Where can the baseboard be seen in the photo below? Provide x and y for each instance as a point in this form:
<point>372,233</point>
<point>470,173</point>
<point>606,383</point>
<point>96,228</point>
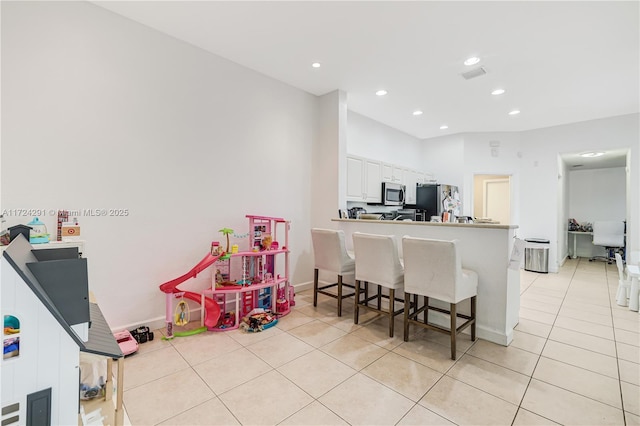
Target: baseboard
<point>483,333</point>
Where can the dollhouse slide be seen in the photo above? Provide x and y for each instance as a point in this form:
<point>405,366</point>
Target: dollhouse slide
<point>211,308</point>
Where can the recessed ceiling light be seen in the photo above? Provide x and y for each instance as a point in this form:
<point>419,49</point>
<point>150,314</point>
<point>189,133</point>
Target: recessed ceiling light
<point>514,112</point>
<point>592,154</point>
<point>316,64</point>
<point>417,112</point>
<point>444,127</point>
<point>471,61</point>
<point>381,92</point>
<point>498,92</point>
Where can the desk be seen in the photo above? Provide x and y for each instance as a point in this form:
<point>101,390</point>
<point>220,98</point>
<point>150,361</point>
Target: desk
<point>575,237</point>
<point>634,273</point>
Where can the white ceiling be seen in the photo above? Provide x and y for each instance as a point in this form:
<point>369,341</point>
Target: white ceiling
<point>560,62</point>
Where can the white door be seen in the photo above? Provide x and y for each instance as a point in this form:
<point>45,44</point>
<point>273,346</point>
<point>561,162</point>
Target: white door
<point>497,200</point>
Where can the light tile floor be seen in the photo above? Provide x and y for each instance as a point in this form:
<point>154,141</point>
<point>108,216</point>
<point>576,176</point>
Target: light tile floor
<point>575,359</point>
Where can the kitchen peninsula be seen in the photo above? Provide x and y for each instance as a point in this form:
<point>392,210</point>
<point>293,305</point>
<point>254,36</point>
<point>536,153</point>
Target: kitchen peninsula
<point>485,248</point>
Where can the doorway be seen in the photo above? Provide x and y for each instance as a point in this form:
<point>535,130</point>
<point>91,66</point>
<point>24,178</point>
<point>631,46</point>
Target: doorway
<point>492,198</point>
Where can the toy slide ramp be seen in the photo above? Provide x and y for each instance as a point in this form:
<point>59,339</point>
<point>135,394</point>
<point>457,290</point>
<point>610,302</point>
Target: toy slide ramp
<point>211,308</point>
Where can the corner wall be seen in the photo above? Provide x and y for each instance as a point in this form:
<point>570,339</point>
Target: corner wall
<point>100,112</point>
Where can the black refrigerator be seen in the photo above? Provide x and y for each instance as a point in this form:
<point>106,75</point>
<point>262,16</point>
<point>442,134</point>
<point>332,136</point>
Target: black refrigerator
<point>434,199</point>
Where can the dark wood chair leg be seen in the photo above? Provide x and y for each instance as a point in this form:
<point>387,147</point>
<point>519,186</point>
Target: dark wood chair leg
<point>407,304</point>
<point>392,294</point>
<point>339,295</point>
<point>357,304</point>
<point>426,310</point>
<point>453,331</point>
<point>473,315</point>
<point>315,287</point>
<point>379,297</point>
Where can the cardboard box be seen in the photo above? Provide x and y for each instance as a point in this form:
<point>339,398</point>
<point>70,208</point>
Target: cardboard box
<point>70,232</point>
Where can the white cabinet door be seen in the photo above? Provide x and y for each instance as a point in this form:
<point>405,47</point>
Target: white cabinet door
<point>392,173</point>
<point>411,178</point>
<point>373,181</point>
<point>355,178</point>
<point>387,172</point>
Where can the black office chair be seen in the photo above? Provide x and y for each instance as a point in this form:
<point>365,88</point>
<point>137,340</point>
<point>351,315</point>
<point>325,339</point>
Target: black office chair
<point>610,235</point>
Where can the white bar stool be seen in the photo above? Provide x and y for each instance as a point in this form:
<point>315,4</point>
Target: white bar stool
<point>378,262</point>
<point>330,254</point>
<point>433,269</point>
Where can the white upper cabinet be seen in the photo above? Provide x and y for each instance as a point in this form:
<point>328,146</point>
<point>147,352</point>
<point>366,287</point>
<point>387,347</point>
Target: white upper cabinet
<point>364,180</point>
<point>410,179</point>
<point>392,173</point>
<point>365,177</point>
<point>373,193</point>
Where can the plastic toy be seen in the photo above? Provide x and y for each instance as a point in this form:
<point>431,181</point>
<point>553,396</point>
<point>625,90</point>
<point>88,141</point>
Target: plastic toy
<point>127,343</point>
<point>255,288</point>
<point>226,232</point>
<point>182,314</point>
<point>142,334</point>
<point>38,234</point>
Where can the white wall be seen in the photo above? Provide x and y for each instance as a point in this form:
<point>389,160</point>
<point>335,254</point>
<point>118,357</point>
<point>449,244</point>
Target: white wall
<point>538,186</point>
<point>481,158</point>
<point>372,139</point>
<point>563,210</point>
<point>102,112</point>
<point>596,194</point>
<point>444,157</point>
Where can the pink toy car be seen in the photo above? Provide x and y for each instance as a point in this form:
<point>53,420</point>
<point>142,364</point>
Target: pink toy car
<point>127,343</point>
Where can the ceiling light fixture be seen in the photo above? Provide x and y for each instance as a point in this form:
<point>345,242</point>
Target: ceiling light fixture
<point>498,92</point>
<point>514,112</point>
<point>471,61</point>
<point>417,112</point>
<point>444,127</point>
<point>316,64</point>
<point>592,154</point>
<point>381,92</point>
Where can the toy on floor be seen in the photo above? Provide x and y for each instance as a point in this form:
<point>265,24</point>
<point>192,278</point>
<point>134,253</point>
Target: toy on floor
<point>142,334</point>
<point>127,343</point>
<point>257,320</point>
<point>256,287</point>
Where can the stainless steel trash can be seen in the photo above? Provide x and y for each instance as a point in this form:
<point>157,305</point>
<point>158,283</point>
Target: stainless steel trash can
<point>536,255</point>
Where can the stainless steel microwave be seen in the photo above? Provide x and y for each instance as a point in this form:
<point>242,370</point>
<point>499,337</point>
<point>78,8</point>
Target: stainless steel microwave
<point>393,194</point>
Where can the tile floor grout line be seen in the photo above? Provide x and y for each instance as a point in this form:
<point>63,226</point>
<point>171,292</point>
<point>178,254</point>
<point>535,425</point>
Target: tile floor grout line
<point>542,350</point>
<point>624,416</point>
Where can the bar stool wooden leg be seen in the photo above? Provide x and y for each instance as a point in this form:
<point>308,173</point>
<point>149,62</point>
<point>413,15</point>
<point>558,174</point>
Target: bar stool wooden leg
<point>357,304</point>
<point>426,310</point>
<point>453,331</point>
<point>339,295</point>
<point>473,316</point>
<point>315,287</point>
<point>392,303</point>
<point>407,304</point>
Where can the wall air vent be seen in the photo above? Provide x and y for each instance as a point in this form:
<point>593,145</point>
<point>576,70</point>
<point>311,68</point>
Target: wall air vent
<point>477,72</point>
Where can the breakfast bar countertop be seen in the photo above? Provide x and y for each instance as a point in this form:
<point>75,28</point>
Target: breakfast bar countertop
<point>416,223</point>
